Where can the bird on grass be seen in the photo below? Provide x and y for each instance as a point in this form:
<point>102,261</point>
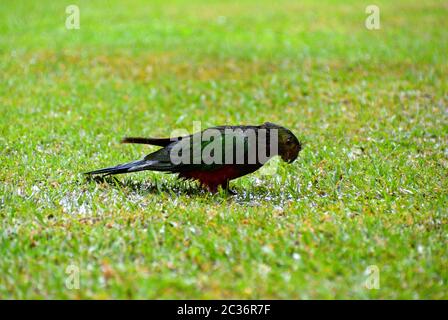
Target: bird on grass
<point>214,156</point>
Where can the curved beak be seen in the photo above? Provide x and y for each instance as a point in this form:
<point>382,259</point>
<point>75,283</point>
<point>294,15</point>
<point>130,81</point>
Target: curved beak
<point>288,158</point>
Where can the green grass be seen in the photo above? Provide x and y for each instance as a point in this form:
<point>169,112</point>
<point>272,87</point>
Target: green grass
<point>369,188</point>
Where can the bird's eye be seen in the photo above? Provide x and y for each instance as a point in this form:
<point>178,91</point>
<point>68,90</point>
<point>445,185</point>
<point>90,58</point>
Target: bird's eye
<point>289,140</point>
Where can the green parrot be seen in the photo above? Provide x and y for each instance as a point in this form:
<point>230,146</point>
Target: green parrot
<point>216,155</point>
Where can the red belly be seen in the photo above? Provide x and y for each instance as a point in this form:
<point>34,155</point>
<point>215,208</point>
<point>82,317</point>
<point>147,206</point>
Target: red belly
<point>213,179</point>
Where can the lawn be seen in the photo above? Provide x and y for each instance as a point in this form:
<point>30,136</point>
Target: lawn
<point>368,192</point>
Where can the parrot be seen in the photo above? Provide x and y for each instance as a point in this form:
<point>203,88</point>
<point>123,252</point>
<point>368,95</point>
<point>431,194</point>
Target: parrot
<point>215,155</point>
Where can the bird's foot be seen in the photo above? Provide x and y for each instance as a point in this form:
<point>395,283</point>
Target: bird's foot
<point>230,192</point>
<point>223,188</point>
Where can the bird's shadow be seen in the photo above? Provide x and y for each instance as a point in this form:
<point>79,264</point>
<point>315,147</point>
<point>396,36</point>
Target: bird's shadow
<point>189,189</point>
<point>180,188</point>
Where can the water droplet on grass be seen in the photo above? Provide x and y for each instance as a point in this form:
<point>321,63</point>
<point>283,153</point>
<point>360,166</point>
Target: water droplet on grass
<point>296,256</point>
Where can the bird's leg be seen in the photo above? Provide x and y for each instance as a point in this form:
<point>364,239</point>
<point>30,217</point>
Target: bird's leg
<point>212,188</point>
<point>226,187</point>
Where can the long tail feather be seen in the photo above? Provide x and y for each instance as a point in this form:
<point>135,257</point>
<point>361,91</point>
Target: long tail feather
<point>122,168</point>
<point>135,166</point>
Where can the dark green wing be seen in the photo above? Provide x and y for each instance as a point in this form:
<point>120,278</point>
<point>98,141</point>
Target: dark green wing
<point>216,148</point>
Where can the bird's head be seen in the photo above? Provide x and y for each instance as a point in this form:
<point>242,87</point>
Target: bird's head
<point>288,144</point>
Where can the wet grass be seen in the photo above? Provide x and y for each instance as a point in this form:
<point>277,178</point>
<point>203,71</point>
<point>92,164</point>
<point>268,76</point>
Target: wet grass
<point>368,189</point>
